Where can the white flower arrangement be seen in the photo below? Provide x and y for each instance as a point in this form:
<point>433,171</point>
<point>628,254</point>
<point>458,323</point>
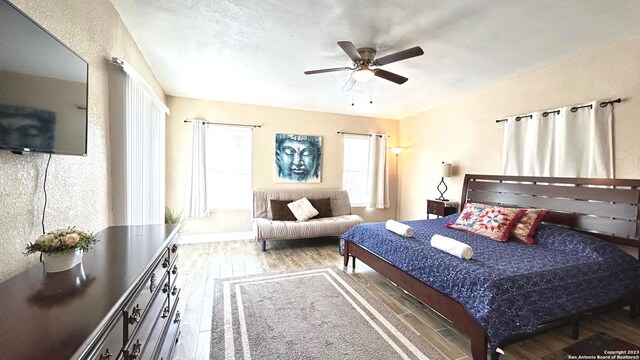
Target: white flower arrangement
<point>62,241</point>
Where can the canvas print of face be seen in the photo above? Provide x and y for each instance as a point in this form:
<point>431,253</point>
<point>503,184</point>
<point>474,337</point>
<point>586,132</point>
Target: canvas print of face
<point>298,158</point>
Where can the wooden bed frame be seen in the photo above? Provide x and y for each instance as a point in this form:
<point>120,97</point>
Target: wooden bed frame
<point>607,208</point>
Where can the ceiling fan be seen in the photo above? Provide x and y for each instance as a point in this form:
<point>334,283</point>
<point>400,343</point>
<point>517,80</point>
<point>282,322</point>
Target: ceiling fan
<point>366,66</point>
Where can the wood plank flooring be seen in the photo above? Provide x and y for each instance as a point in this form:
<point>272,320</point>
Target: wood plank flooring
<point>201,264</point>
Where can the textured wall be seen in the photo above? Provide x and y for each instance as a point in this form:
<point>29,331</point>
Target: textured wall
<point>274,120</point>
<point>462,131</point>
<point>78,187</point>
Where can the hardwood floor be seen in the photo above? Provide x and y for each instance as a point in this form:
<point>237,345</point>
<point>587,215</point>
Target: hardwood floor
<point>201,264</point>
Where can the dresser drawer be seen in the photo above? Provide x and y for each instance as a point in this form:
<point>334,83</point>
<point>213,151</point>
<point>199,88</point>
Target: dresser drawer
<point>138,340</point>
<point>171,337</point>
<point>435,207</point>
<point>441,208</point>
<point>154,346</point>
<point>174,286</point>
<point>111,347</point>
<point>174,269</point>
<point>153,286</point>
<point>173,249</point>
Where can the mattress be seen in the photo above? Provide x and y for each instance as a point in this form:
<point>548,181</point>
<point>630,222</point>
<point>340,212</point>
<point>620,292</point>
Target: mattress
<point>510,288</point>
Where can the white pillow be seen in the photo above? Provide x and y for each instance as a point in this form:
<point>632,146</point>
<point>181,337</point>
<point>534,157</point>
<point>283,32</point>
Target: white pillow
<point>302,209</point>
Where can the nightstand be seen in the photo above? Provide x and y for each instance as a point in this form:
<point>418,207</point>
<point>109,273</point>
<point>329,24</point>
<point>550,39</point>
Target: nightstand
<point>441,208</point>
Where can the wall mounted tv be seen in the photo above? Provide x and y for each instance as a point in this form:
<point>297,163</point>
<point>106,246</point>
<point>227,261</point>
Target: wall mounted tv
<point>43,89</point>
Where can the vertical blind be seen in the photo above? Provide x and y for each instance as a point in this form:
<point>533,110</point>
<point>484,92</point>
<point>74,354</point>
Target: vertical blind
<point>137,149</point>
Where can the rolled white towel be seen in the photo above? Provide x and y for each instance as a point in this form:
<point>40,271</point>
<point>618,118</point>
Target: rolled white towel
<point>399,228</point>
<point>452,246</point>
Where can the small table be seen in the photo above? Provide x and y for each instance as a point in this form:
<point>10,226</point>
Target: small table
<point>441,208</point>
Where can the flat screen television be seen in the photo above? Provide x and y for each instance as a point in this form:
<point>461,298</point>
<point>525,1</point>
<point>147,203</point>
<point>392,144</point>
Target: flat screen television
<point>43,89</point>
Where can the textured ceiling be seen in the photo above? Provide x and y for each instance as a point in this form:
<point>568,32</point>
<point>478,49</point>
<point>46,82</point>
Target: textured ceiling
<point>255,51</point>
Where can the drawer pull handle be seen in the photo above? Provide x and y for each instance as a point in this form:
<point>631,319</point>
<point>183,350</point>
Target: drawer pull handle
<point>174,292</point>
<point>106,356</point>
<point>174,248</point>
<point>165,288</point>
<point>165,263</point>
<point>134,318</point>
<point>152,284</point>
<point>135,350</point>
<point>165,312</point>
<point>176,320</point>
<point>175,269</point>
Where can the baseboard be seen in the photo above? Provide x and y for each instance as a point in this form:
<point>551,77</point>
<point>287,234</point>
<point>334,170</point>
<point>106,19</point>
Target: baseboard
<point>216,237</point>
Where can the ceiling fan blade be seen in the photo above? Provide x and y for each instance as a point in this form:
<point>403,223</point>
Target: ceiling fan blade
<point>348,85</point>
<point>390,76</point>
<point>400,55</point>
<point>351,50</point>
<point>311,72</point>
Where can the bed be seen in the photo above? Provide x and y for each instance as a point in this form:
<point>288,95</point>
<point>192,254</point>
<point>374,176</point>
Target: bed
<point>510,291</point>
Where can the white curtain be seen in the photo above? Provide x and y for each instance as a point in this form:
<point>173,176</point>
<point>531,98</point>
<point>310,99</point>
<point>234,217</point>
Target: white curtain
<point>137,148</point>
<point>564,144</point>
<point>195,198</point>
<point>378,177</point>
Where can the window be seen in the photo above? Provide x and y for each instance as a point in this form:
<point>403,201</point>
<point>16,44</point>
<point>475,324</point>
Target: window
<point>228,167</point>
<point>356,168</point>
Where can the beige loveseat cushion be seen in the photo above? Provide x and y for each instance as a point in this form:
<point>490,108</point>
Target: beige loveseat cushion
<point>266,229</point>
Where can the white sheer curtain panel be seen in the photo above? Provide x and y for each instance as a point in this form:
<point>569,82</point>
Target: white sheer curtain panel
<point>528,146</point>
<point>378,177</point>
<point>588,142</point>
<point>565,143</point>
<point>137,148</point>
<point>195,198</point>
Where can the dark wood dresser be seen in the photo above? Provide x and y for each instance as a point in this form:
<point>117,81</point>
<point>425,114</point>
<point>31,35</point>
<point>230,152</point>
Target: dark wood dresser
<point>120,304</point>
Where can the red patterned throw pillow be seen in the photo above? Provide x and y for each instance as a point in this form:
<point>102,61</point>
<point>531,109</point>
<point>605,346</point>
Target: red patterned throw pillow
<point>525,229</point>
<point>493,222</point>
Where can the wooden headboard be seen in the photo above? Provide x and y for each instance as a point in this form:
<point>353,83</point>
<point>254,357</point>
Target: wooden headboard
<point>606,207</point>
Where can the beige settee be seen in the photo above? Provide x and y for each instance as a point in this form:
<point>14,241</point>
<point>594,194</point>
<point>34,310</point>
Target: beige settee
<point>264,228</point>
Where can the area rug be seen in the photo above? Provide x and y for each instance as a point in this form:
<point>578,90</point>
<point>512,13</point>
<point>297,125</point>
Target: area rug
<point>598,346</point>
<point>312,314</point>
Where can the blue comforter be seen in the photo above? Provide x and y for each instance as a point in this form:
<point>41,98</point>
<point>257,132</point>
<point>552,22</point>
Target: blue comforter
<point>511,287</point>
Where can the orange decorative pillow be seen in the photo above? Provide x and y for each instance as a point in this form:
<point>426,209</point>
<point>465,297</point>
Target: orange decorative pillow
<point>493,222</point>
<point>525,229</point>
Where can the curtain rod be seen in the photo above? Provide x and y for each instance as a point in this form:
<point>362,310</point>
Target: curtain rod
<point>127,68</point>
<point>214,123</point>
<point>603,104</point>
<point>350,133</point>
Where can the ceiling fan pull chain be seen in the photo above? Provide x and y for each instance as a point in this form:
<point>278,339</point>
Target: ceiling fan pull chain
<point>352,98</point>
<point>371,94</point>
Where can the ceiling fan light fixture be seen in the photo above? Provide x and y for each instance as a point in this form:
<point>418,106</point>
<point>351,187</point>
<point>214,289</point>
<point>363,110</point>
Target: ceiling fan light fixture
<point>362,74</point>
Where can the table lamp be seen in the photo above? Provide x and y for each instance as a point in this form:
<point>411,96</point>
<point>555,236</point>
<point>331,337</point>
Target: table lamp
<point>445,170</point>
